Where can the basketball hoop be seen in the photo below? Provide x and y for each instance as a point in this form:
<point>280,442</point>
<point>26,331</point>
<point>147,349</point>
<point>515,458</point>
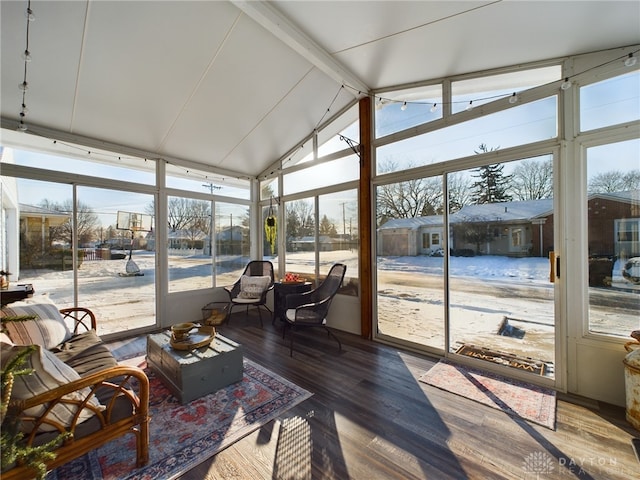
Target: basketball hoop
<point>133,222</point>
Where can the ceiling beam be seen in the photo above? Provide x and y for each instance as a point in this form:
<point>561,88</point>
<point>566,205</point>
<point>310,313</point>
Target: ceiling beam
<point>271,19</point>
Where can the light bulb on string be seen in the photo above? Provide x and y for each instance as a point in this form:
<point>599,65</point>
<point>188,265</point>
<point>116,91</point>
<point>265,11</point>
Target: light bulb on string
<point>22,127</point>
<point>513,98</point>
<point>434,108</point>
<point>630,61</point>
<point>24,86</point>
<point>404,106</point>
<point>470,106</point>
<point>26,56</point>
<point>29,14</point>
<point>566,85</point>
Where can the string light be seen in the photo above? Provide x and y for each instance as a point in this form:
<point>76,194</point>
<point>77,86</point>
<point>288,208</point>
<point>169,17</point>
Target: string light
<point>404,106</point>
<point>26,56</point>
<point>630,61</point>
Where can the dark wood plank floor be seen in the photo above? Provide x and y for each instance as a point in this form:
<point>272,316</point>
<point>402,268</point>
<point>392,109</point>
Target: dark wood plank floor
<point>369,418</point>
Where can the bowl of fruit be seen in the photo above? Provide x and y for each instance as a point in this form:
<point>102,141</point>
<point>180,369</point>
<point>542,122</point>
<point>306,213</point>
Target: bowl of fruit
<point>292,278</point>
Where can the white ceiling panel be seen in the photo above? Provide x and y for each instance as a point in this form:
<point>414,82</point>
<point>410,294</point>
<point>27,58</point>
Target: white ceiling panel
<point>236,84</point>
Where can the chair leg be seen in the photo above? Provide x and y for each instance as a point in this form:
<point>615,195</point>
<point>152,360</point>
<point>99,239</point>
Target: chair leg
<point>331,334</point>
<point>259,315</point>
<point>230,311</point>
<point>291,343</point>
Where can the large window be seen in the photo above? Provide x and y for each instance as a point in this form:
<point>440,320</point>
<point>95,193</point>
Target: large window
<point>486,89</point>
<point>402,109</point>
<point>613,218</point>
<point>114,265</point>
<point>189,243</point>
<point>338,237</point>
<point>519,125</point>
<point>610,102</point>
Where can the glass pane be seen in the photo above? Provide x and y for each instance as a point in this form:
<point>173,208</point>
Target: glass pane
<point>206,182</point>
<point>338,236</point>
<point>300,233</point>
<point>45,251</point>
<point>189,244</point>
<point>610,102</point>
<point>117,278</point>
<point>95,164</point>
<point>501,303</point>
<point>269,188</point>
<point>410,267</point>
<point>486,89</point>
<point>330,173</point>
<point>348,125</point>
<point>231,244</point>
<point>423,105</point>
<point>520,125</point>
<point>301,155</point>
<point>613,206</point>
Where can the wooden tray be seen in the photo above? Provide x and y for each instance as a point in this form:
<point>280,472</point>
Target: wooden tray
<point>198,339</point>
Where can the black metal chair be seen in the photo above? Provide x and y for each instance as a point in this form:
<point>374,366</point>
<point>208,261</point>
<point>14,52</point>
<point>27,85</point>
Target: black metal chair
<point>310,309</point>
<point>251,289</point>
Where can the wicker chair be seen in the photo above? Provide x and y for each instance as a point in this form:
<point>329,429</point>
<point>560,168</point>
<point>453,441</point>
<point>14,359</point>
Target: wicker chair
<point>310,309</point>
<point>238,295</point>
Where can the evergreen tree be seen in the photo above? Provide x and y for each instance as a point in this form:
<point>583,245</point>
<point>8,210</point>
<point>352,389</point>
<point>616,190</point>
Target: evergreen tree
<point>492,184</point>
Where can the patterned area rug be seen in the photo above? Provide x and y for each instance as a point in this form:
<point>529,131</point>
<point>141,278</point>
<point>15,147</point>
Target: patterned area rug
<point>530,402</point>
<point>182,436</point>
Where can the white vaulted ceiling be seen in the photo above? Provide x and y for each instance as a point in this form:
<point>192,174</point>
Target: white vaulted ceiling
<point>235,85</point>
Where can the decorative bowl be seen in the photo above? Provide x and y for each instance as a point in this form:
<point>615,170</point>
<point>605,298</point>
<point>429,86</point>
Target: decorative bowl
<point>181,330</point>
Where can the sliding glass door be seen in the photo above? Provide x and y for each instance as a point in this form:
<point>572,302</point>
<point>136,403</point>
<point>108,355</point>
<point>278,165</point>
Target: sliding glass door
<point>501,299</point>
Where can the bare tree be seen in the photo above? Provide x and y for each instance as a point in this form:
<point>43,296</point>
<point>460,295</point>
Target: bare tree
<point>532,179</point>
<point>460,192</point>
<point>410,198</point>
<point>614,181</point>
<point>86,222</point>
<point>189,214</point>
<point>300,218</point>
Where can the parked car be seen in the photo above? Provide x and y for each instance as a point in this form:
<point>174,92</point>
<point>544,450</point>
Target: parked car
<point>631,270</point>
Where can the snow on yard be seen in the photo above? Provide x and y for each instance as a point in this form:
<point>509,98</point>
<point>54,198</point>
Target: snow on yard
<point>410,292</point>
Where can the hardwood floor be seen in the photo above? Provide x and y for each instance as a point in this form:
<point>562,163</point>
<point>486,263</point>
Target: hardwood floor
<point>370,418</point>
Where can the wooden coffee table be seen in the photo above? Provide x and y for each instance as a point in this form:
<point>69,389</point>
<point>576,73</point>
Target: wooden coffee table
<point>190,374</point>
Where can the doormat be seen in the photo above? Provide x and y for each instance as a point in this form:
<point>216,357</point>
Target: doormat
<point>518,399</point>
<point>525,364</point>
<point>182,436</point>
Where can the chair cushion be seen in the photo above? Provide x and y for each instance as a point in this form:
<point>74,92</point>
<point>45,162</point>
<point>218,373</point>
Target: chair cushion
<point>86,353</point>
<point>48,373</point>
<point>47,328</point>
<point>291,316</point>
<point>253,286</point>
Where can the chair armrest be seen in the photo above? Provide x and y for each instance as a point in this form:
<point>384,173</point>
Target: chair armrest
<point>80,316</point>
<point>121,380</point>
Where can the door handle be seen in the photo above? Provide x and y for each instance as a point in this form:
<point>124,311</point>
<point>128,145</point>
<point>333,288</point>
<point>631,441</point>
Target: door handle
<point>554,266</point>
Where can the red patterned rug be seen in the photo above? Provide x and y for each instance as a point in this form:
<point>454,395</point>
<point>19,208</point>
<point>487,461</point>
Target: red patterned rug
<point>519,399</point>
<point>182,436</point>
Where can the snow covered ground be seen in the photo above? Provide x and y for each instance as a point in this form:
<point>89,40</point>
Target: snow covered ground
<point>411,301</point>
